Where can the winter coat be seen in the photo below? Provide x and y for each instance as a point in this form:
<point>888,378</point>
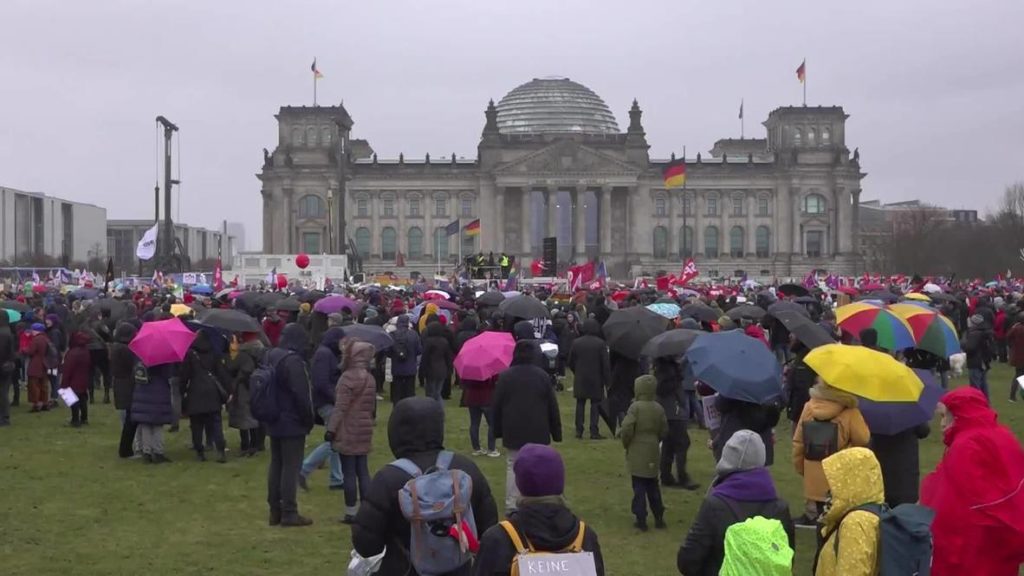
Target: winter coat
<point>737,415</point>
<point>122,366</point>
<point>898,455</point>
<point>590,363</point>
<point>355,398</point>
<point>241,368</point>
<point>1015,340</point>
<point>293,386</point>
<point>413,348</point>
<point>670,393</point>
<point>37,356</point>
<point>525,409</point>
<point>547,524</point>
<point>151,401</point>
<point>204,380</point>
<point>567,333</point>
<point>416,432</point>
<point>643,428</point>
<point>624,371</point>
<point>325,369</point>
<point>975,492</point>
<point>827,404</point>
<point>478,394</point>
<point>799,381</point>
<point>273,327</point>
<point>437,353</point>
<point>467,330</point>
<point>978,345</point>
<point>8,347</point>
<point>757,333</point>
<point>430,309</point>
<point>733,499</point>
<point>855,479</point>
<point>77,365</point>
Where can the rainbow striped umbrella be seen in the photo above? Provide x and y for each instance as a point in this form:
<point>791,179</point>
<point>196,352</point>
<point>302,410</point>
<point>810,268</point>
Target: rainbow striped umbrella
<point>932,331</point>
<point>893,332</point>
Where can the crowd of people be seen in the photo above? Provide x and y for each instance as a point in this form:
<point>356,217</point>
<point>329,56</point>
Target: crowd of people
<point>297,368</point>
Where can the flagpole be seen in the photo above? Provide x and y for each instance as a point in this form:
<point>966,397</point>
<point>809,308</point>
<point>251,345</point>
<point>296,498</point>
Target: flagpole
<point>805,81</point>
<point>314,89</point>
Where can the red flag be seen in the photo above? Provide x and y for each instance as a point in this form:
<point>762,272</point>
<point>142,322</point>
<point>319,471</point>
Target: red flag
<point>580,275</point>
<point>689,271</point>
<point>218,276</point>
<point>661,283</point>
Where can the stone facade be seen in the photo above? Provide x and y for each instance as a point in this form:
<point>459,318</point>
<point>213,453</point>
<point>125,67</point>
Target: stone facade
<point>778,206</point>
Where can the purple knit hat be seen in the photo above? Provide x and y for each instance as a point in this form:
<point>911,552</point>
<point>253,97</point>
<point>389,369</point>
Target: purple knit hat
<point>539,471</point>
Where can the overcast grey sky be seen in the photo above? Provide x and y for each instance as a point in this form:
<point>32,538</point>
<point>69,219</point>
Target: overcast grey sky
<point>935,90</point>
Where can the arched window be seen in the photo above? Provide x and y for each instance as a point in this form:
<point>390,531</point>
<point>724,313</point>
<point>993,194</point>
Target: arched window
<point>311,136</point>
<point>737,204</point>
<point>711,242</point>
<point>325,134</point>
<point>736,242</point>
<point>762,241</point>
<point>413,202</point>
<point>468,244</point>
<point>660,208</point>
<point>685,242</point>
<point>297,136</point>
<point>814,204</point>
<point>811,134</point>
<point>363,242</point>
<point>466,206</point>
<point>311,206</point>
<point>363,207</point>
<point>440,246</point>
<point>388,243</point>
<point>826,135</point>
<point>660,242</point>
<point>388,207</point>
<point>798,137</point>
<point>415,250</point>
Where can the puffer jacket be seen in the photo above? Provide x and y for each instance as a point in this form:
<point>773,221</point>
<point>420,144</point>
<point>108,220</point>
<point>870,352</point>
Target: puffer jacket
<point>643,428</point>
<point>352,418</point>
<point>437,353</point>
<point>122,364</point>
<point>151,400</point>
<point>525,408</point>
<point>325,369</point>
<point>413,348</point>
<point>828,404</point>
<point>855,479</point>
<point>294,388</point>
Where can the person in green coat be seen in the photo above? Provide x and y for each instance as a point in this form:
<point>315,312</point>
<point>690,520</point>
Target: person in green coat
<point>643,428</point>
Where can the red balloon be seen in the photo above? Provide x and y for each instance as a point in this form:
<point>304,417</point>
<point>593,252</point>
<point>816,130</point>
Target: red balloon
<point>302,261</point>
<point>282,281</point>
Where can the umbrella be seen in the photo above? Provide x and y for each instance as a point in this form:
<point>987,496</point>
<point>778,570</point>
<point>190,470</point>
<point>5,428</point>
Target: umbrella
<point>700,312</point>
<point>290,304</point>
<point>369,333</point>
<point>736,366</point>
<point>224,293</point>
<point>485,355</point>
<point>626,331</point>
<point>671,343</point>
<point>932,331</point>
<point>917,296</point>
<point>746,311</point>
<point>806,300</point>
<point>526,307</point>
<point>931,288</point>
<point>430,294</point>
<point>201,289</point>
<point>86,293</point>
<point>334,303</point>
<point>230,320</point>
<point>881,295</point>
<point>669,311</point>
<point>162,342</point>
<point>15,305</point>
<point>865,372</point>
<point>774,309</point>
<point>792,290</point>
<point>181,309</point>
<point>893,332</point>
<point>943,297</point>
<point>895,417</point>
<point>800,326</point>
<point>666,300</point>
<point>848,291</point>
<point>12,315</point>
<point>490,299</point>
<point>417,311</point>
<point>446,305</point>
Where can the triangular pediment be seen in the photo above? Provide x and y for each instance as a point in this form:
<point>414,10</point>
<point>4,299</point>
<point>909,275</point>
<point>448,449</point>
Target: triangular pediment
<point>567,157</point>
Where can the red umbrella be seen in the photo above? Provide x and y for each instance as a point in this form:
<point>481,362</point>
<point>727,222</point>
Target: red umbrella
<point>485,355</point>
<point>163,342</point>
<point>848,291</point>
<point>446,305</point>
<point>620,295</point>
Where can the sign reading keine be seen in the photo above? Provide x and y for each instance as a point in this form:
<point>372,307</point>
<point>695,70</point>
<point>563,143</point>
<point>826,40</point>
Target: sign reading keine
<point>569,564</point>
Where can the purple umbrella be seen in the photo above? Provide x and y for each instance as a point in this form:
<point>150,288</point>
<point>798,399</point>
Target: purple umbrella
<point>894,417</point>
<point>332,303</point>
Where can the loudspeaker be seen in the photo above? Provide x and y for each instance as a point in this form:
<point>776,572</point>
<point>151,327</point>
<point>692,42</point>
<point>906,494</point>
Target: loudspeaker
<point>550,256</point>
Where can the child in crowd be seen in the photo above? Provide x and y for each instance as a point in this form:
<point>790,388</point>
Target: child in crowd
<point>643,428</point>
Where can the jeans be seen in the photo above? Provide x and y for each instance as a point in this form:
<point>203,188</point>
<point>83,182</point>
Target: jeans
<point>283,475</point>
<point>434,386</point>
<point>356,470</point>
<point>978,378</point>
<point>323,452</point>
<point>511,490</point>
<point>80,410</point>
<point>476,413</point>
<point>673,450</point>
<point>152,436</point>
<point>581,407</point>
<point>402,387</point>
<point>1014,387</point>
<point>647,491</point>
<point>782,353</point>
<point>210,423</point>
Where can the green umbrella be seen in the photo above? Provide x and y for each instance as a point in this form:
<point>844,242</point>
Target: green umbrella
<point>12,315</point>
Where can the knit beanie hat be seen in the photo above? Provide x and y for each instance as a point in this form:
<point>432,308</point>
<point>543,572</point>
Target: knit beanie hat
<point>743,451</point>
<point>539,471</point>
<point>975,321</point>
<point>37,327</point>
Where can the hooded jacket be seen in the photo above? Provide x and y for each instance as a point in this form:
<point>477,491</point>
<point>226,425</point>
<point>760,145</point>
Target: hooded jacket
<point>976,492</point>
<point>294,388</point>
<point>355,398</point>
<point>590,363</point>
<point>643,428</point>
<point>241,368</point>
<point>204,381</point>
<point>122,364</point>
<point>8,346</point>
<point>151,400</point>
<point>669,374</point>
<point>467,330</point>
<point>416,432</point>
<point>77,365</point>
<point>437,353</point>
<point>525,409</point>
<point>855,479</point>
<point>325,369</point>
<point>827,404</point>
<point>413,348</point>
<point>430,309</point>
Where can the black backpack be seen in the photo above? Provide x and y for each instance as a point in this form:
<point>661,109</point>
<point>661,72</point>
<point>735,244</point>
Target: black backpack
<point>400,349</point>
<point>821,439</point>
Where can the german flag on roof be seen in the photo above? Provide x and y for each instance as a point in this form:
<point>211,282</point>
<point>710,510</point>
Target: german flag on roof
<point>674,174</point>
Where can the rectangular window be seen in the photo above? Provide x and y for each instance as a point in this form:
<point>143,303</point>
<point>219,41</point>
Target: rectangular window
<point>466,207</point>
<point>737,206</point>
<point>414,207</point>
<point>712,206</point>
<point>389,208</point>
<point>762,206</point>
<point>659,207</point>
<point>440,206</point>
<point>687,206</point>
<point>363,208</point>
<point>311,242</point>
<point>815,241</point>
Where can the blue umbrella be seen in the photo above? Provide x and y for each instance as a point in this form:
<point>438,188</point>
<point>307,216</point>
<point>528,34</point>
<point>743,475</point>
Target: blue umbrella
<point>369,333</point>
<point>414,314</point>
<point>736,366</point>
<point>894,417</point>
<point>201,289</point>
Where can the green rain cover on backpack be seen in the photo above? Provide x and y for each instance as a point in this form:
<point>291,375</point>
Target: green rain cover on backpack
<point>759,546</point>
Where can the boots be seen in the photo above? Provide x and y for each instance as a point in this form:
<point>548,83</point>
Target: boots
<point>200,455</point>
<point>641,524</point>
<point>222,457</point>
<point>275,517</point>
<point>106,396</point>
<point>659,522</point>
<point>17,395</point>
<point>295,521</point>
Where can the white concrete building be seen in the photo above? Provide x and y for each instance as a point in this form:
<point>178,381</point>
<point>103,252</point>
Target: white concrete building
<point>34,225</point>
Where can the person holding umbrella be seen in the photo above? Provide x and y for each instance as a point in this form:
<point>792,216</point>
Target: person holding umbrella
<point>669,374</point>
<point>591,367</point>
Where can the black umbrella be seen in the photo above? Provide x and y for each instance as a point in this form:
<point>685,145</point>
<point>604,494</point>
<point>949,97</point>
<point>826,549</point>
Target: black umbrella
<point>225,293</point>
<point>887,297</point>
<point>492,298</point>
<point>375,335</point>
<point>700,312</point>
<point>230,320</point>
<point>806,300</point>
<point>525,306</point>
<point>626,331</point>
<point>782,306</point>
<point>937,297</point>
<point>290,304</point>
<point>801,327</point>
<point>118,308</point>
<point>671,343</point>
<point>15,305</point>
<point>746,311</point>
<point>792,290</point>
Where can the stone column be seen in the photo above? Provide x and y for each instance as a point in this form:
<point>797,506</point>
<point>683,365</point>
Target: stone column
<point>375,247</point>
<point>499,221</point>
<point>750,237</point>
<point>673,228</point>
<point>289,220</point>
<point>698,222</point>
<point>781,233</point>
<point>794,208</point>
<point>429,240</point>
<point>551,215</point>
<point>485,210</point>
<point>855,222</point>
<point>579,224</point>
<point>604,233</point>
<point>524,223</point>
<point>402,231</point>
<point>268,220</point>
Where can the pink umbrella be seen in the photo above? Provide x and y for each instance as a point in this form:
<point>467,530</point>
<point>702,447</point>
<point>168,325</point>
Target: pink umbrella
<point>163,342</point>
<point>485,355</point>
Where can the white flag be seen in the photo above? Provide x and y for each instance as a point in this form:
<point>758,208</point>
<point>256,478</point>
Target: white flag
<point>147,246</point>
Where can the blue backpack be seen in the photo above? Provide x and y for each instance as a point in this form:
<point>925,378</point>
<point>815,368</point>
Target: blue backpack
<point>263,401</point>
<point>904,538</point>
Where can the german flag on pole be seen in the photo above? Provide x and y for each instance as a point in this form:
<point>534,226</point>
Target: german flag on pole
<point>473,228</point>
<point>674,174</point>
<point>316,71</point>
<point>801,72</point>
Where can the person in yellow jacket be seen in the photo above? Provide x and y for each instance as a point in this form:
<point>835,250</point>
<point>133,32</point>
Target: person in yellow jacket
<point>827,404</point>
<point>854,479</point>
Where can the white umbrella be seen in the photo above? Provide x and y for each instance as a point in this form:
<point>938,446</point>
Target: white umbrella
<point>440,293</point>
<point>931,288</point>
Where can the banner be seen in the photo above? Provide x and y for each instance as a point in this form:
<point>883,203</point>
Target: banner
<point>147,246</point>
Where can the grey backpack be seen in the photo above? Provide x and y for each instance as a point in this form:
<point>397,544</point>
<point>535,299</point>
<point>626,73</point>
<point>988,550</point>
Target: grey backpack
<point>438,506</point>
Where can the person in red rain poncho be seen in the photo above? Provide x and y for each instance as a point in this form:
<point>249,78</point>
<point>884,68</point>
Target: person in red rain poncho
<point>977,491</point>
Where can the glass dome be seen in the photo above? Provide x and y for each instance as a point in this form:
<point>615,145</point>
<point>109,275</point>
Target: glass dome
<point>554,105</point>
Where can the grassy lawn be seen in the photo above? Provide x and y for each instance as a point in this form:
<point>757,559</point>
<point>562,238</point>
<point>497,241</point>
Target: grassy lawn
<point>67,503</point>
